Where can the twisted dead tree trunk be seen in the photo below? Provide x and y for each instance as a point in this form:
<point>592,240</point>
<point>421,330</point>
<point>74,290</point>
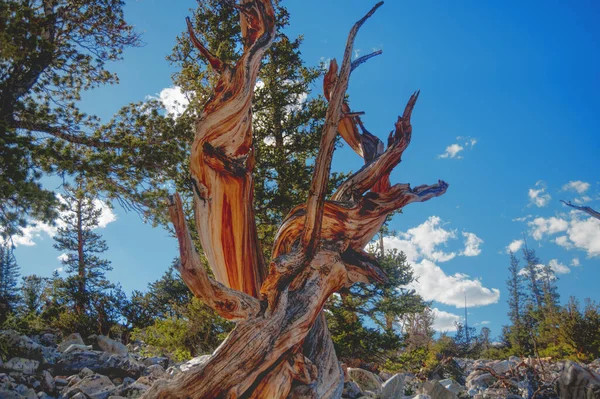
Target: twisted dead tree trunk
<point>593,213</point>
<point>281,346</point>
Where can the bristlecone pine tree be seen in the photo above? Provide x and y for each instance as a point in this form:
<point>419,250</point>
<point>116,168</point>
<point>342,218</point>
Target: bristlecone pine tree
<point>281,346</point>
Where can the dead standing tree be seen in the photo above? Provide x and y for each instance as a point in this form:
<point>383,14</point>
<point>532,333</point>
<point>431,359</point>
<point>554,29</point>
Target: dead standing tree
<point>281,346</point>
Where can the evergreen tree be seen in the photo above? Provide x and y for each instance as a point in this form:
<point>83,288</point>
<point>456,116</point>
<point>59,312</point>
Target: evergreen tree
<point>518,337</point>
<point>532,272</point>
<point>52,50</point>
<point>33,288</point>
<point>9,274</point>
<point>82,245</point>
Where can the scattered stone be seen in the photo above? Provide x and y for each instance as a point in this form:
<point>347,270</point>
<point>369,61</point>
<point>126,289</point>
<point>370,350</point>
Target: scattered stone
<point>163,361</point>
<point>436,390</point>
<point>95,386</point>
<point>74,338</point>
<point>351,390</point>
<point>393,388</point>
<point>111,346</point>
<point>134,390</point>
<point>452,386</point>
<point>47,383</point>
<point>366,380</point>
<point>576,382</point>
<point>21,365</point>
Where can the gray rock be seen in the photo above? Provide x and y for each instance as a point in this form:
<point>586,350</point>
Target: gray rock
<point>199,360</point>
<point>21,365</point>
<point>111,346</point>
<point>155,371</point>
<point>576,382</point>
<point>452,386</point>
<point>480,381</point>
<point>163,361</point>
<point>6,394</point>
<point>23,346</point>
<point>134,390</point>
<point>366,380</point>
<point>75,361</point>
<point>74,338</point>
<point>95,386</point>
<point>47,382</point>
<point>351,390</point>
<point>44,395</point>
<point>436,390</point>
<point>85,372</point>
<point>49,339</point>
<point>498,393</point>
<point>393,388</point>
<point>77,347</point>
<point>502,367</point>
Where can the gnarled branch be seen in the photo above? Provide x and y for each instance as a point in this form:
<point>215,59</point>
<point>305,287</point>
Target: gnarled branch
<point>586,209</point>
<point>229,303</point>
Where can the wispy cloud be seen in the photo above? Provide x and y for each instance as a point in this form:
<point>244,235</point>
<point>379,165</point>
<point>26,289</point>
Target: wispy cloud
<point>578,186</point>
<point>454,150</point>
<point>538,195</point>
<point>514,246</point>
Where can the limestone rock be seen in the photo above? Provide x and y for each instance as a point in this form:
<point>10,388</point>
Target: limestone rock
<point>393,388</point>
<point>21,365</point>
<point>111,346</point>
<point>74,338</point>
<point>436,390</point>
<point>366,380</point>
<point>351,390</point>
<point>95,386</point>
<point>575,382</point>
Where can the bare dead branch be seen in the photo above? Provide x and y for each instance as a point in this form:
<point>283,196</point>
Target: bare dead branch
<point>213,60</point>
<point>585,209</point>
<point>227,302</point>
<point>357,62</point>
<point>316,197</point>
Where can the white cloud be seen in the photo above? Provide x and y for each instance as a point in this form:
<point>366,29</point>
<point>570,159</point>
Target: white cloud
<point>434,284</point>
<point>472,243</point>
<point>174,100</point>
<point>576,185</point>
<point>538,195</point>
<point>107,216</point>
<point>59,269</point>
<point>582,200</point>
<point>575,262</point>
<point>581,232</point>
<point>62,257</point>
<point>547,226</point>
<point>444,321</point>
<point>514,246</point>
<point>522,219</point>
<point>558,267</point>
<point>485,322</point>
<point>38,230</point>
<point>420,244</point>
<point>422,241</point>
<point>452,151</point>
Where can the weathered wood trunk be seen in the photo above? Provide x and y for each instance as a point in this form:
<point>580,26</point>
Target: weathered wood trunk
<point>281,346</point>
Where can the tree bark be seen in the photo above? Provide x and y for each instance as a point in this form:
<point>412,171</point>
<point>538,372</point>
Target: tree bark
<point>281,346</point>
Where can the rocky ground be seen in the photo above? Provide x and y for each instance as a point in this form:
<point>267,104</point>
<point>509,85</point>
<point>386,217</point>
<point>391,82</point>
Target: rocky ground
<point>101,368</point>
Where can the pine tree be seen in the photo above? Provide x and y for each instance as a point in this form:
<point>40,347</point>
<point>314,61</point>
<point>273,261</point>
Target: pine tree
<point>9,274</point>
<point>86,270</point>
<point>532,271</point>
<point>51,52</point>
<point>33,288</point>
<point>517,336</point>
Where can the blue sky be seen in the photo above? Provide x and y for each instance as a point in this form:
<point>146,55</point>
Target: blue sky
<point>508,116</point>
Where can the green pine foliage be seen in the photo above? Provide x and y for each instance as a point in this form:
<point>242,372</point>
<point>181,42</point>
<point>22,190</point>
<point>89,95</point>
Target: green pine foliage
<point>52,51</point>
<point>9,275</point>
